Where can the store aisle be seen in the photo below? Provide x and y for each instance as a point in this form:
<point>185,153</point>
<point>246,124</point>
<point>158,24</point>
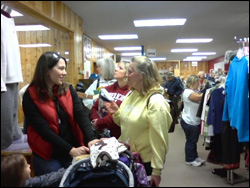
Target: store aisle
<point>177,174</point>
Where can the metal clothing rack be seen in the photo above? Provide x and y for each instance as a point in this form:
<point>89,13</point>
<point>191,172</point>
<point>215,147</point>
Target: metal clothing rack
<point>233,178</point>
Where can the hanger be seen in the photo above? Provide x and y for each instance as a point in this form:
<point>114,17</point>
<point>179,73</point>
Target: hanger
<point>5,10</point>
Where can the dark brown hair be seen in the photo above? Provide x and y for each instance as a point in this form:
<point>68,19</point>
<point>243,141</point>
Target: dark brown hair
<point>40,79</point>
<point>12,169</point>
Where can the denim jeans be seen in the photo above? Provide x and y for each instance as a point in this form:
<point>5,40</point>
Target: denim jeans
<point>41,166</point>
<point>192,133</point>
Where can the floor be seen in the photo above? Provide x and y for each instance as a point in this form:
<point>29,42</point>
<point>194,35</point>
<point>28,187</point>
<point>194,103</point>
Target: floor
<point>177,174</point>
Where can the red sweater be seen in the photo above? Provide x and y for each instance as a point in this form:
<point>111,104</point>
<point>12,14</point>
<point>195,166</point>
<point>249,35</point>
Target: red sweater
<point>119,95</point>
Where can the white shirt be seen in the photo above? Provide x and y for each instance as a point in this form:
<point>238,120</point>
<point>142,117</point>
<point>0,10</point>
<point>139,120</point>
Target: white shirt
<point>190,109</point>
<point>90,91</point>
<point>11,71</point>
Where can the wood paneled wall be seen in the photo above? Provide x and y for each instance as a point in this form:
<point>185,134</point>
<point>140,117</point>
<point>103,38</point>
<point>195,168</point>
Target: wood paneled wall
<point>183,69</point>
<point>187,69</point>
<point>65,34</point>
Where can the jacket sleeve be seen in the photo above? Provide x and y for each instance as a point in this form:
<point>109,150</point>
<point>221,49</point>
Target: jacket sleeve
<point>159,123</point>
<point>51,179</point>
<point>81,116</point>
<point>94,111</point>
<point>180,88</point>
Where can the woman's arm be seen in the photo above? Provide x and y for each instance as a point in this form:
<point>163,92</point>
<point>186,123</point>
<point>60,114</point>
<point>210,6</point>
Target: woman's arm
<point>81,116</point>
<point>195,97</point>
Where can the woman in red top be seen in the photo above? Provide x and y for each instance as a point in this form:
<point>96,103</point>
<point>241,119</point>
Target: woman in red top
<point>118,91</point>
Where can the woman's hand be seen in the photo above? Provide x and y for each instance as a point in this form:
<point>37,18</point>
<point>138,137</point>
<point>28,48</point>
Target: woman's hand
<point>93,122</point>
<point>79,151</point>
<point>93,142</point>
<point>155,181</point>
<point>111,107</point>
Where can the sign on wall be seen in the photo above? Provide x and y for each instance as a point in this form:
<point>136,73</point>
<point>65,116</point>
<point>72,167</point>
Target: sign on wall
<point>151,52</point>
<point>87,48</point>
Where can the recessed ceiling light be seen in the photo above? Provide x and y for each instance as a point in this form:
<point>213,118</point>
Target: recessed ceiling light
<point>204,53</point>
<point>159,22</point>
<point>131,54</point>
<point>194,40</point>
<point>118,37</point>
<point>127,48</point>
<point>34,45</point>
<point>30,27</point>
<point>184,50</point>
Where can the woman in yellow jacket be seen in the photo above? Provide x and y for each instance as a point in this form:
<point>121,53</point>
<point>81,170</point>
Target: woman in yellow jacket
<point>144,119</point>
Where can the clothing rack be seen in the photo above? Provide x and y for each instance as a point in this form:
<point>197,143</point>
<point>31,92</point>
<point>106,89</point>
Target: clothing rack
<point>6,8</point>
<point>232,177</point>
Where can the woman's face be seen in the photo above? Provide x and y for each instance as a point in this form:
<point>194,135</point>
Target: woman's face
<point>120,71</point>
<point>99,70</point>
<point>57,73</point>
<point>134,78</point>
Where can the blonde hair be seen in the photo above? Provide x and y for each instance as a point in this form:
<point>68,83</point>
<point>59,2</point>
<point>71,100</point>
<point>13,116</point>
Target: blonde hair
<point>191,80</point>
<point>149,72</point>
<point>126,65</point>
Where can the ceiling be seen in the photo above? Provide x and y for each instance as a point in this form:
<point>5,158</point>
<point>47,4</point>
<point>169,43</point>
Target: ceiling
<point>220,20</point>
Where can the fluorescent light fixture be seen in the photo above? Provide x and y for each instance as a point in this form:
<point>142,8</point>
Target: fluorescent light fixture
<point>118,37</point>
<point>158,58</point>
<point>204,53</point>
<point>127,48</point>
<point>159,22</point>
<point>15,14</point>
<point>67,60</point>
<point>34,45</point>
<point>198,57</point>
<point>194,40</point>
<point>184,50</point>
<point>66,53</point>
<point>31,28</point>
<point>194,59</point>
<point>131,54</point>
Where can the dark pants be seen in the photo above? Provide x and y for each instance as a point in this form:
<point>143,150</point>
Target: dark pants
<point>175,102</point>
<point>41,166</point>
<point>192,133</point>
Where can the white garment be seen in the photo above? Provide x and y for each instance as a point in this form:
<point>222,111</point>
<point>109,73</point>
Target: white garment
<point>190,109</point>
<point>22,91</point>
<point>108,149</point>
<point>90,91</point>
<point>11,71</point>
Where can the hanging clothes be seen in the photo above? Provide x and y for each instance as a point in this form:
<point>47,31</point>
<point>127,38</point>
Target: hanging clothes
<point>11,76</point>
<point>236,108</point>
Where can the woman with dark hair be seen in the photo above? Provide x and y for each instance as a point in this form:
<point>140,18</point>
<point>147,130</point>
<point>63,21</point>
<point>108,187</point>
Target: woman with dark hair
<point>15,172</point>
<point>58,126</point>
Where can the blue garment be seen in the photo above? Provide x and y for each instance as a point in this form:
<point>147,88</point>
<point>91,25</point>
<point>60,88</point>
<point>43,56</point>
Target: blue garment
<point>174,87</point>
<point>215,112</point>
<point>236,106</point>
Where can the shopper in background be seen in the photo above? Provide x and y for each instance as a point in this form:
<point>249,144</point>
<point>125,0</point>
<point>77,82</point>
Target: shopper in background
<point>144,116</point>
<point>58,126</point>
<point>15,172</point>
<point>189,122</point>
<point>174,89</point>
<point>106,69</point>
<point>203,81</point>
<point>118,91</point>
